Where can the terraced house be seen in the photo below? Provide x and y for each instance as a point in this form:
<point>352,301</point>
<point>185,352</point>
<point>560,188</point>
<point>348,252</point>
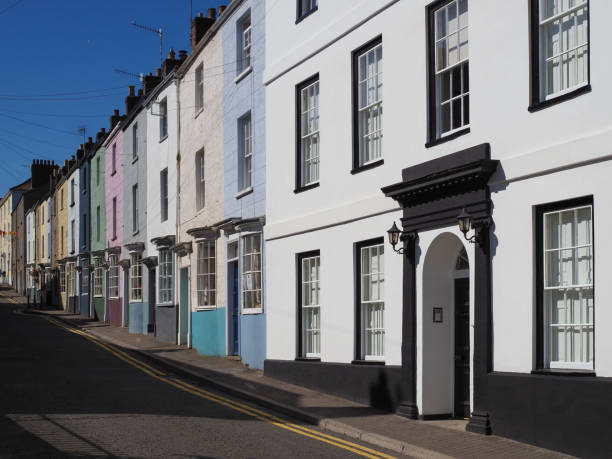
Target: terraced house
<point>200,208</point>
<point>97,232</point>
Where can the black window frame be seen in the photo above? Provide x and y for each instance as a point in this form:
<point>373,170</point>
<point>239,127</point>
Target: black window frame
<point>299,17</point>
<point>432,136</point>
<point>540,210</point>
<point>298,134</point>
<point>355,105</point>
<point>357,246</point>
<point>299,345</point>
<point>536,102</point>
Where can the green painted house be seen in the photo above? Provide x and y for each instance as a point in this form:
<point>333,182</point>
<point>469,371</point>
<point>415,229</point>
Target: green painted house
<point>98,230</point>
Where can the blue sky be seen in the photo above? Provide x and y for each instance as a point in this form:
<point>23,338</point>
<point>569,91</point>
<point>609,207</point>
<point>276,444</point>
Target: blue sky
<point>58,70</point>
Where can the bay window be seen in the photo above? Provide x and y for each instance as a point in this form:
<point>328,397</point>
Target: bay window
<point>135,277</point>
<point>113,276</point>
<point>206,275</point>
<point>251,273</point>
<point>98,277</point>
<point>165,276</point>
<point>566,238</point>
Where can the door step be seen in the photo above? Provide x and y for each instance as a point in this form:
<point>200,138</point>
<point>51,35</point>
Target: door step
<point>234,357</point>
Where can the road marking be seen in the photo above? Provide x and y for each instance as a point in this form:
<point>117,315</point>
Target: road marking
<point>224,401</point>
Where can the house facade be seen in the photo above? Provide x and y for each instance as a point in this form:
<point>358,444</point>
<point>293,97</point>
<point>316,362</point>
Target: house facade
<point>200,208</point>
<point>73,184</point>
<point>60,202</point>
<point>161,202</point>
<point>7,233</point>
<point>30,259</point>
<point>97,166</point>
<point>244,179</point>
<point>42,261</point>
<point>137,273</point>
<point>439,329</point>
<point>116,313</point>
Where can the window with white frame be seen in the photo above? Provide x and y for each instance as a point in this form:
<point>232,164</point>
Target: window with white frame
<point>372,301</point>
<point>98,223</point>
<point>135,208</point>
<point>135,141</point>
<point>165,276</point>
<point>311,306</point>
<point>450,69</point>
<point>199,88</point>
<point>163,119</point>
<point>70,279</point>
<point>251,272</point>
<point>114,159</point>
<point>568,287</point>
<point>563,61</point>
<point>200,181</point>
<point>369,116</point>
<point>308,137</point>
<point>98,277</point>
<point>206,274</point>
<point>163,191</point>
<point>113,276</point>
<point>245,152</point>
<point>72,236</point>
<point>136,277</point>
<point>245,44</point>
<point>84,277</point>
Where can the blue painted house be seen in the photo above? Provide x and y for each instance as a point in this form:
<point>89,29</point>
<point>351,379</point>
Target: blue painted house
<point>244,158</point>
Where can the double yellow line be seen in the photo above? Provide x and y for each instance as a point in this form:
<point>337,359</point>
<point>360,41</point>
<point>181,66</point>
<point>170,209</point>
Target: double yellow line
<point>229,403</point>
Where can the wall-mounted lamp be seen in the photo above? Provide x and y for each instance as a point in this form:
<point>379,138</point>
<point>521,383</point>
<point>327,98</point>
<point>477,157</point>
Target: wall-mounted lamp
<point>466,223</point>
<point>396,235</point>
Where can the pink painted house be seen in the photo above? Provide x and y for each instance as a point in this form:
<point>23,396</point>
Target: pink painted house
<point>116,313</point>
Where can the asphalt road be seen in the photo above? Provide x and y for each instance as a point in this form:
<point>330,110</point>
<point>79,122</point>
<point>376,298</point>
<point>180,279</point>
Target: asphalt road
<point>62,395</point>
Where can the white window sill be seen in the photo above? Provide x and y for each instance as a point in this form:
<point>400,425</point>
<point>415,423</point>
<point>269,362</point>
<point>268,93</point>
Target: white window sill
<point>165,305</point>
<point>243,192</point>
<point>243,74</point>
<point>376,358</point>
<point>250,311</point>
<point>566,91</point>
<point>571,366</point>
<point>454,131</point>
<point>204,308</point>
<point>136,301</point>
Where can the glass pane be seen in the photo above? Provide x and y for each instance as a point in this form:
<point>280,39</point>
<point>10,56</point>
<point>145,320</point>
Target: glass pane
<point>567,228</point>
<point>583,228</point>
<point>584,266</point>
<point>466,110</point>
<point>463,44</point>
<point>456,113</point>
<point>445,86</point>
<point>453,49</point>
<point>463,13</point>
<point>551,228</point>
<point>452,17</point>
<point>440,23</point>
<point>456,81</point>
<point>446,117</point>
<point>552,265</point>
<point>441,61</point>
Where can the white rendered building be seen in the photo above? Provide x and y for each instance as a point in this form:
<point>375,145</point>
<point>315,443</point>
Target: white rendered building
<point>491,108</point>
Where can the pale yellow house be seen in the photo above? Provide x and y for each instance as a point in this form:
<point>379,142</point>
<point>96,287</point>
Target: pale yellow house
<point>7,205</point>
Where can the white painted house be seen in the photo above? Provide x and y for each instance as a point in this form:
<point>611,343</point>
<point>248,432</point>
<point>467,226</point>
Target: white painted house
<point>492,108</point>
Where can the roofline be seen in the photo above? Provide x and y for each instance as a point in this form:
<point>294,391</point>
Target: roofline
<point>210,33</point>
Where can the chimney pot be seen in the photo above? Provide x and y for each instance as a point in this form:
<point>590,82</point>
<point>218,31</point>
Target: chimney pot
<point>116,112</point>
<point>182,54</point>
<point>130,90</point>
<point>221,9</point>
<point>171,54</point>
<point>89,140</point>
<point>103,130</point>
<point>212,13</point>
<point>140,92</point>
<point>158,72</point>
<point>200,15</point>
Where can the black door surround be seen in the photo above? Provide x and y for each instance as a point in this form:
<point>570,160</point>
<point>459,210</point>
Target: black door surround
<point>432,194</point>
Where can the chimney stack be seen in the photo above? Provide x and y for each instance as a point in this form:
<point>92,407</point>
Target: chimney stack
<point>182,55</point>
<point>170,63</point>
<point>131,100</point>
<point>200,25</point>
<point>221,9</point>
<point>149,83</point>
<point>41,171</point>
<point>114,119</point>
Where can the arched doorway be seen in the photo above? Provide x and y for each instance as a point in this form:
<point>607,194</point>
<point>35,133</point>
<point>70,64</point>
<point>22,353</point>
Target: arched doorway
<point>446,329</point>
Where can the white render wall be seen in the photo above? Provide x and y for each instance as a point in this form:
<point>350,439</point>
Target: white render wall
<point>30,236</point>
<point>161,155</point>
<point>544,155</point>
<point>337,290</point>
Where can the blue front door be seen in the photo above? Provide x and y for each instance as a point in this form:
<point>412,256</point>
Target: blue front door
<point>236,349</point>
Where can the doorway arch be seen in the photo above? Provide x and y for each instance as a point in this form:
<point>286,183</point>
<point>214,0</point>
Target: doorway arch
<point>445,328</point>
